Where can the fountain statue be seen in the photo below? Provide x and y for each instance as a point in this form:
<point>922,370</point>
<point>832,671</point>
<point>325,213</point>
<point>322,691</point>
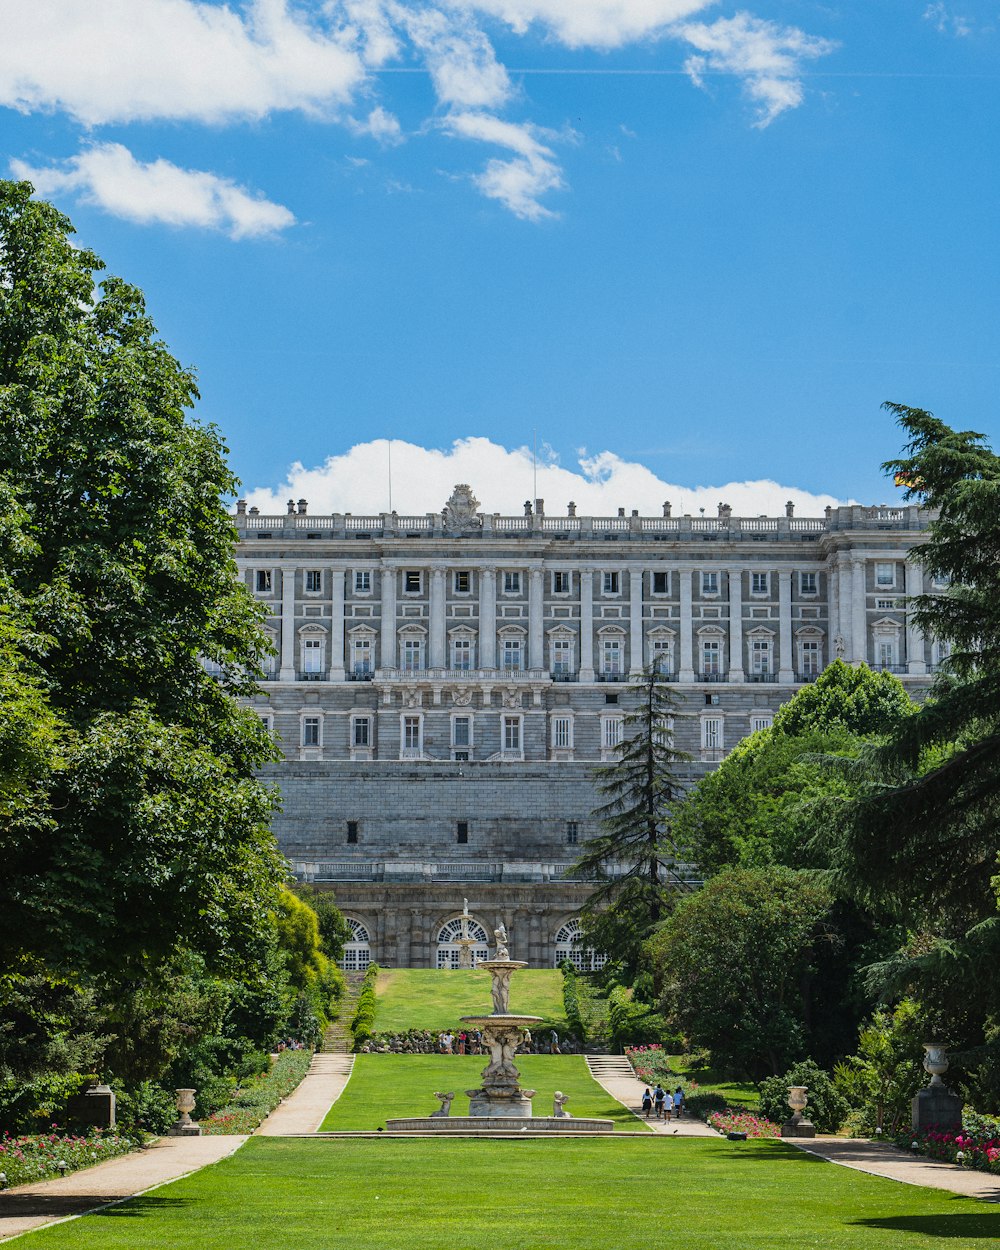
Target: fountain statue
<point>464,942</point>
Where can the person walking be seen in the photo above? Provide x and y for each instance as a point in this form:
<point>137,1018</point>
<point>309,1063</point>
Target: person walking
<point>678,1102</point>
<point>555,1043</point>
<point>647,1102</point>
<point>659,1094</point>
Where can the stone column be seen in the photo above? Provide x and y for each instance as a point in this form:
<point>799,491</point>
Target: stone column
<point>636,658</point>
<point>786,668</point>
<point>736,671</point>
<point>915,662</point>
<point>859,614</point>
<point>844,618</point>
<point>488,617</point>
<point>287,671</point>
<point>536,634</point>
<point>832,612</point>
<point>337,624</point>
<point>686,663</point>
<point>388,641</point>
<point>586,624</point>
<point>437,618</point>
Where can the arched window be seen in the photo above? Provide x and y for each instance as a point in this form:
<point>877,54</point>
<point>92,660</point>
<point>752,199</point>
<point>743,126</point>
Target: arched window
<point>568,946</point>
<point>357,950</point>
<point>448,949</point>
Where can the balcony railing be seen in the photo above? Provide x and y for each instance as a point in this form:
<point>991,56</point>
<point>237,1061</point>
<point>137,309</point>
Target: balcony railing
<point>361,674</point>
<point>561,675</point>
<point>612,677</point>
<point>710,676</point>
<point>762,677</point>
<point>890,668</point>
<point>303,676</point>
<point>803,678</point>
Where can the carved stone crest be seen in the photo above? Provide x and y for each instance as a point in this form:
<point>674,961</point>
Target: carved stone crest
<point>412,698</point>
<point>461,697</point>
<point>459,512</point>
<point>512,697</point>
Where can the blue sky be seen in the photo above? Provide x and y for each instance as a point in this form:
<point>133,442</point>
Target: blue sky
<point>681,244</point>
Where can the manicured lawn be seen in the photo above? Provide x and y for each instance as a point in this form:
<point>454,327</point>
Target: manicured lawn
<point>429,998</point>
<point>738,1093</point>
<point>382,1086</point>
<point>629,1193</point>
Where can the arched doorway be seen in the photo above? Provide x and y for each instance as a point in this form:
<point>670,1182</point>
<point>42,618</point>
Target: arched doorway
<point>569,946</point>
<point>357,950</point>
<point>448,951</point>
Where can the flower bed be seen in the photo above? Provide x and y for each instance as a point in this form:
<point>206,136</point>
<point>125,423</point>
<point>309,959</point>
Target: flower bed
<point>36,1156</point>
<point>978,1143</point>
<point>259,1097</point>
<point>743,1122</point>
<point>651,1063</point>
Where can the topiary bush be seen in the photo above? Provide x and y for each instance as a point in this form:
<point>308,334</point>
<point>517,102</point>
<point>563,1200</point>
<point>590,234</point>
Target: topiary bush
<point>827,1108</point>
<point>363,1021</point>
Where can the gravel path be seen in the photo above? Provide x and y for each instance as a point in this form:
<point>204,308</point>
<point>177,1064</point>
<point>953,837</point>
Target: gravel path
<point>898,1165</point>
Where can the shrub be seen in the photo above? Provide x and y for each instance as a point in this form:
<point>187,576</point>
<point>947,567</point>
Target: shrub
<point>651,1063</point>
<point>826,1108</point>
<point>632,1022</point>
<point>258,1098</point>
<point>704,1105</point>
<point>571,1000</point>
<point>363,1021</point>
<point>730,1121</point>
<point>145,1108</point>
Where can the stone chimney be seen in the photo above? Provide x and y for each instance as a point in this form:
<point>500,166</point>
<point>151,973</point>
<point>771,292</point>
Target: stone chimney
<point>302,507</point>
<point>666,507</point>
<point>621,511</point>
<point>291,507</point>
<point>540,507</point>
<point>789,508</point>
<point>571,508</point>
<point>527,507</point>
<point>241,507</point>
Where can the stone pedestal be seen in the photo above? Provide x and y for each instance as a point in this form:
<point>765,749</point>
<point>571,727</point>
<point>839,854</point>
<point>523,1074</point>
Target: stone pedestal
<point>516,1105</point>
<point>936,1107</point>
<point>798,1128</point>
<point>95,1107</point>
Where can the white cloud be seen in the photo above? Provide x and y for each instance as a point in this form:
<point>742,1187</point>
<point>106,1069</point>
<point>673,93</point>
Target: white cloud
<point>502,478</point>
<point>947,22</point>
<point>767,56</point>
<point>126,60</point>
<point>460,58</point>
<point>517,183</point>
<point>591,23</point>
<point>109,176</point>
<point>381,125</point>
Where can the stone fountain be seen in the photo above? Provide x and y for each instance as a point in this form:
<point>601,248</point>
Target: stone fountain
<point>500,1104</point>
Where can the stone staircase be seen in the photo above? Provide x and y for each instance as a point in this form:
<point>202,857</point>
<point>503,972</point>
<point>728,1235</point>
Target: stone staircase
<point>338,1039</point>
<point>602,1066</point>
<point>331,1063</point>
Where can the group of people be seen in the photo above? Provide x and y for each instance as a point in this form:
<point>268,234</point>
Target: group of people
<point>461,1042</point>
<point>664,1103</point>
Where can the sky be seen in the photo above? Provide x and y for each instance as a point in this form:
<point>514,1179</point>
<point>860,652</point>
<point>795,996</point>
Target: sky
<point>613,251</point>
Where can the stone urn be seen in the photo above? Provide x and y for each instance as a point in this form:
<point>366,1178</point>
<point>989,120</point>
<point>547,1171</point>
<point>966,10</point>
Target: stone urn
<point>185,1126</point>
<point>936,1107</point>
<point>797,1126</point>
<point>935,1061</point>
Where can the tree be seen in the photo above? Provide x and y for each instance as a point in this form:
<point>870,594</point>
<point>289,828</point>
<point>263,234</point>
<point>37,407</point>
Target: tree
<point>634,856</point>
<point>334,931</point>
<point>117,557</point>
<point>734,963</point>
<point>886,1073</point>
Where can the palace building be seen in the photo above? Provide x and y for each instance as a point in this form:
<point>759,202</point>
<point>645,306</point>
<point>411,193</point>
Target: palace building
<point>444,684</point>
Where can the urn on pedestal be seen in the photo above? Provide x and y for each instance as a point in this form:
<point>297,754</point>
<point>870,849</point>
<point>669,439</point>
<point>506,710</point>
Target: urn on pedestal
<point>798,1126</point>
<point>936,1106</point>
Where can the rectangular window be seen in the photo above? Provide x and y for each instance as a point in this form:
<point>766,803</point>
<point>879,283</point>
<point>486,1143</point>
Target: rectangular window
<point>711,657</point>
<point>661,583</point>
<point>411,733</point>
<point>413,655</point>
<point>760,720</point>
<point>352,831</point>
<point>361,731</point>
<point>885,574</point>
<point>709,583</point>
<point>461,731</point>
<point>562,655</point>
<point>362,581</point>
<point>807,584</point>
<point>310,731</point>
<point>886,604</point>
<point>562,732</point>
<point>711,733</point>
<point>512,733</point>
<point>263,581</point>
<point>265,720</point>
<point>560,583</point>
<point>411,582</point>
<point>511,583</point>
<point>512,653</point>
<point>572,832</point>
<point>612,584</point>
<point>312,655</point>
<point>886,653</point>
<point>461,654</point>
<point>463,581</point>
<point>314,581</point>
<point>362,651</point>
<point>760,656</point>
<point>611,657</point>
<point>662,655</point>
<point>758,583</point>
<point>809,658</point>
<point>462,832</point>
<point>612,732</point>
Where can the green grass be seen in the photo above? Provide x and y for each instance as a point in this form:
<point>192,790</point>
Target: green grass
<point>429,998</point>
<point>631,1194</point>
<point>711,1081</point>
<point>383,1086</point>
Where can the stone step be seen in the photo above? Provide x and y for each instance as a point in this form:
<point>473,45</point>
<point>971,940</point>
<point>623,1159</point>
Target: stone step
<point>609,1065</point>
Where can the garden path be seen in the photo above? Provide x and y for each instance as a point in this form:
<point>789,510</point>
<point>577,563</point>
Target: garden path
<point>628,1091</point>
<point>27,1207</point>
<point>897,1165</point>
<point>304,1110</point>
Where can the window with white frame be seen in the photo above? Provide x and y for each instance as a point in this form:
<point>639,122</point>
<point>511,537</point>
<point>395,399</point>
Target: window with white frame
<point>711,656</point>
<point>886,652</point>
<point>511,735</point>
<point>612,732</point>
<point>711,733</point>
<point>511,651</point>
<point>262,581</point>
<point>511,582</point>
<point>412,582</point>
<point>461,731</point>
<point>267,720</point>
<point>362,581</point>
<point>313,646</point>
<point>569,945</point>
<point>808,584</point>
<point>760,656</point>
<point>940,651</point>
<point>412,736</point>
<point>709,583</point>
<point>810,656</point>
<point>662,654</point>
<point>661,583</point>
<point>611,583</point>
<point>758,583</point>
<point>562,656</point>
<point>886,603</point>
<point>562,732</point>
<point>461,653</point>
<point>361,731</point>
<point>413,655</point>
<point>312,731</point>
<point>885,574</point>
<point>314,581</point>
<point>462,582</point>
<point>663,731</point>
<point>761,720</point>
<point>560,583</point>
<point>361,655</point>
<point>357,953</point>
<point>611,657</point>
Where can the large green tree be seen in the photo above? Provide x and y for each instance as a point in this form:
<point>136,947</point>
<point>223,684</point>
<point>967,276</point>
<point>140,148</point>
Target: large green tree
<point>634,857</point>
<point>118,559</point>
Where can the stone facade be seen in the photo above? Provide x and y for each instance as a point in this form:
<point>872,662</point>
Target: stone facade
<point>442,685</point>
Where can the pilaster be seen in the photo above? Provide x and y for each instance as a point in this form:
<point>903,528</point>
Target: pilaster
<point>915,662</point>
<point>337,624</point>
<point>437,618</point>
<point>859,613</point>
<point>536,634</point>
<point>388,623</point>
<point>636,659</point>
<point>736,671</point>
<point>488,616</point>
<point>786,670</point>
<point>586,623</point>
<point>685,664</point>
<point>287,670</point>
